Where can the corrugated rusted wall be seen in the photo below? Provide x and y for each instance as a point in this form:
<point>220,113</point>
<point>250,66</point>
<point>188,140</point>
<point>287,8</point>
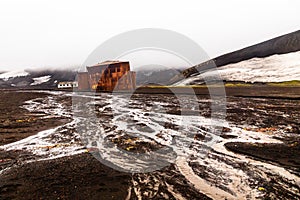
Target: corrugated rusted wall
<point>83,84</point>
<point>127,81</point>
<point>115,76</point>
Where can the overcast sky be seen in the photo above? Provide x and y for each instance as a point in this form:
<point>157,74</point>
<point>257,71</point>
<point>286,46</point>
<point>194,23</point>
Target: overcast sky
<point>58,33</point>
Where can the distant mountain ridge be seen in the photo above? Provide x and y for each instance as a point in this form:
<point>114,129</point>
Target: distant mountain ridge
<point>36,79</point>
<point>160,77</point>
<point>48,79</point>
<point>259,58</point>
<point>280,45</point>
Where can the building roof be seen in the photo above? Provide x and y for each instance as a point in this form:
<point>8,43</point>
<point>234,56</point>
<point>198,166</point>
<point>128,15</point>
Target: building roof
<point>67,82</point>
<point>108,62</point>
<point>103,65</point>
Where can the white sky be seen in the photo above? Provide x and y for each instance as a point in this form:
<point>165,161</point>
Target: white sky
<point>57,33</point>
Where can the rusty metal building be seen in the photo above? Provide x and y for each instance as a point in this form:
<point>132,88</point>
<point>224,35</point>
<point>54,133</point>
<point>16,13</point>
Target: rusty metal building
<point>107,76</point>
<point>83,83</point>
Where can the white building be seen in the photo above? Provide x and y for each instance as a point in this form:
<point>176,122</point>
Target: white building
<point>68,84</point>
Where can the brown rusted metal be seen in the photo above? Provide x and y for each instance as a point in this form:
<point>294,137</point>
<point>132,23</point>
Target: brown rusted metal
<point>83,83</point>
<point>107,76</point>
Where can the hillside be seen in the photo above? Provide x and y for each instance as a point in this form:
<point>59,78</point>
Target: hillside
<point>48,79</point>
<point>280,45</point>
<point>275,68</point>
<point>35,79</point>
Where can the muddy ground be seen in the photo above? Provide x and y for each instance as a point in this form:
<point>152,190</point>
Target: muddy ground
<point>81,176</point>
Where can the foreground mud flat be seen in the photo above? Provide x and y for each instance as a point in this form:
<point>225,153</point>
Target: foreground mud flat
<point>252,155</point>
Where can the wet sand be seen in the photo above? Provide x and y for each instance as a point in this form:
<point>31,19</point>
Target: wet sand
<point>81,176</point>
<point>75,177</point>
<point>286,154</point>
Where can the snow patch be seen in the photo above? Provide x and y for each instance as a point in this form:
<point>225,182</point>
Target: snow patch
<point>7,75</point>
<point>40,80</point>
<point>275,68</point>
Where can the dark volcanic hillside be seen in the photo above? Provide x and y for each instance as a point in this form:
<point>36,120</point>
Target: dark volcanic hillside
<point>144,77</point>
<point>279,45</point>
<point>161,77</point>
<point>28,81</point>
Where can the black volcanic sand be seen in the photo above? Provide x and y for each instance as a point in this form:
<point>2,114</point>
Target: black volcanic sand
<point>76,177</point>
<point>17,123</point>
<point>83,177</point>
<point>80,177</point>
<point>286,154</point>
<point>255,91</point>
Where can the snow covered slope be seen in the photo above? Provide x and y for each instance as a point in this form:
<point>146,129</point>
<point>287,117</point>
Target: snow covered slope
<point>13,74</point>
<point>275,68</point>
